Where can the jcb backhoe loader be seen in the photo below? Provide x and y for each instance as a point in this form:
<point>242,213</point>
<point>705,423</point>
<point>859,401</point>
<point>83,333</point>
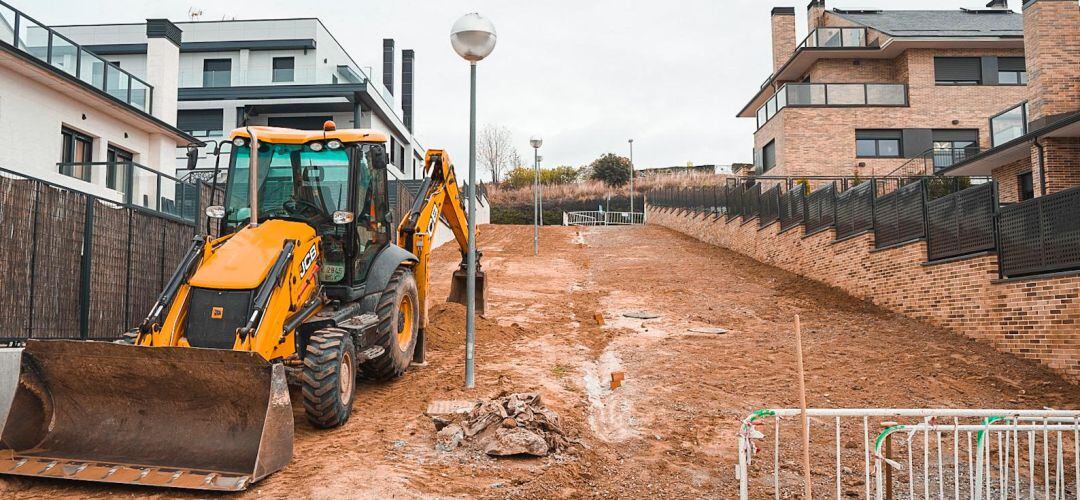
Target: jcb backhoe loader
<point>310,284</point>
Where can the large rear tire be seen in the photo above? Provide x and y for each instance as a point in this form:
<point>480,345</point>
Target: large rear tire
<point>399,322</point>
<point>329,377</point>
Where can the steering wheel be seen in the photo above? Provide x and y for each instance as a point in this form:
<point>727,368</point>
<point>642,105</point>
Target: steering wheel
<point>302,207</point>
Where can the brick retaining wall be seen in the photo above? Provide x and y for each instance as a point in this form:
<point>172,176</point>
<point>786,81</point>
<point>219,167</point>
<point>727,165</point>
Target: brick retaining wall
<point>1037,318</point>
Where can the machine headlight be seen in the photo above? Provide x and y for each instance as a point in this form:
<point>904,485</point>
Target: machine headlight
<point>215,212</point>
<point>343,217</point>
<point>316,146</point>
<point>239,142</point>
<point>333,144</point>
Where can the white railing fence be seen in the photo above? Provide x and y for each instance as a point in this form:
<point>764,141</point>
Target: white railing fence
<point>889,453</point>
<point>601,218</point>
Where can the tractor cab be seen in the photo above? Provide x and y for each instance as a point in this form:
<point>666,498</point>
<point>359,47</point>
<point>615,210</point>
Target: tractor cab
<point>332,180</point>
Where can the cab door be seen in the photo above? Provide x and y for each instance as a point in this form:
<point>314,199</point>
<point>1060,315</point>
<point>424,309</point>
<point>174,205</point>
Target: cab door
<point>373,230</point>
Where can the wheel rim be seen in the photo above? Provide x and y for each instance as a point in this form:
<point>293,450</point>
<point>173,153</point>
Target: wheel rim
<point>405,322</point>
<point>345,381</point>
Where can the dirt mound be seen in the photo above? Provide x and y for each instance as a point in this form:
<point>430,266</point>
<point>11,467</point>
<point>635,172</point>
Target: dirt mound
<point>507,425</point>
<point>446,328</point>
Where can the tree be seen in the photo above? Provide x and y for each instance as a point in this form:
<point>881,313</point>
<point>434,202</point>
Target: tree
<point>559,175</point>
<point>612,169</point>
<point>496,150</point>
<point>519,177</point>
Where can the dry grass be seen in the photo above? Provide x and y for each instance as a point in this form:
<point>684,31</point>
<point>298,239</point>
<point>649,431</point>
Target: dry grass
<point>591,190</point>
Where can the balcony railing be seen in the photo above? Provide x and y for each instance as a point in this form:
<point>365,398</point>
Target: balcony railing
<point>836,38</point>
<point>832,95</point>
<point>40,42</point>
<point>139,186</point>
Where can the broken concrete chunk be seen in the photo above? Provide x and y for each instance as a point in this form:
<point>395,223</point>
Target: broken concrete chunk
<point>641,315</point>
<point>449,438</point>
<point>508,442</point>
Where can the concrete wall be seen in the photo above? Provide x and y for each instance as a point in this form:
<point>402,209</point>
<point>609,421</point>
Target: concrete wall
<point>1036,318</point>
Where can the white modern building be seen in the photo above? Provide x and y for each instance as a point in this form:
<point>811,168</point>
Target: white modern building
<point>69,117</point>
<point>276,72</point>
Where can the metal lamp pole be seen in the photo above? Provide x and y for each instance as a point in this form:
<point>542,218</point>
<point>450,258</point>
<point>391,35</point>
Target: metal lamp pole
<point>631,181</point>
<point>538,214</point>
<point>473,38</point>
<point>540,186</point>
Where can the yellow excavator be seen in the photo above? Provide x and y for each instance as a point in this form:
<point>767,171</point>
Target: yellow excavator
<point>311,285</point>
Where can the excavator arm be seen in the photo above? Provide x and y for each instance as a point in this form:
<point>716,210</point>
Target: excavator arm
<point>439,198</point>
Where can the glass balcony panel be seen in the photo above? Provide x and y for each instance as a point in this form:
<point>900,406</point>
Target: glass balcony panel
<point>140,95</point>
<point>64,55</point>
<point>829,37</point>
<point>842,94</point>
<point>1008,126</point>
<point>885,95</point>
<point>7,24</point>
<point>770,108</point>
<point>144,188</point>
<point>805,94</point>
<point>854,37</point>
<point>92,69</point>
<point>762,116</point>
<point>33,38</point>
<point>117,82</point>
<point>781,99</point>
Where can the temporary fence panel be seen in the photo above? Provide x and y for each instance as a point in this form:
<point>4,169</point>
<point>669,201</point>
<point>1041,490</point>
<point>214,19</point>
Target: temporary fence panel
<point>1040,235</point>
<point>792,208</point>
<point>821,209</point>
<point>911,453</point>
<point>961,223</point>
<point>598,218</point>
<point>899,216</point>
<point>769,206</point>
<point>855,210</point>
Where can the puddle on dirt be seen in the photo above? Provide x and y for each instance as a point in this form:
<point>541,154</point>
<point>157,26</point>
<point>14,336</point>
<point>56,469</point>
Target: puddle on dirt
<point>610,411</point>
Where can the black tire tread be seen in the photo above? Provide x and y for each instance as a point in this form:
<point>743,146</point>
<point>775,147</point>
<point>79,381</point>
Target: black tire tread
<point>319,380</point>
<point>384,367</point>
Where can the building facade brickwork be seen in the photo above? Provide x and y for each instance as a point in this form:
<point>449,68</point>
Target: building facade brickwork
<point>1037,318</point>
<point>1052,46</point>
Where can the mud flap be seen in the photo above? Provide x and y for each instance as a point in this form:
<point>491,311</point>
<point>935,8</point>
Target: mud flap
<point>157,416</point>
<point>458,292</point>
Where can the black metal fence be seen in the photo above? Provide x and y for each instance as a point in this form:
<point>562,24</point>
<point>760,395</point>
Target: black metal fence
<point>855,211</point>
<point>769,206</point>
<point>899,216</point>
<point>1040,235</point>
<point>792,208</point>
<point>751,202</point>
<point>820,209</point>
<point>961,223</point>
<point>77,266</point>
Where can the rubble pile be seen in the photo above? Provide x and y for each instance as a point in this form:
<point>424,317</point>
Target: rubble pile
<point>509,424</point>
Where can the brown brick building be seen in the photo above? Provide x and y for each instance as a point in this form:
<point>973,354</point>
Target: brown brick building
<point>1035,141</point>
<point>869,91</point>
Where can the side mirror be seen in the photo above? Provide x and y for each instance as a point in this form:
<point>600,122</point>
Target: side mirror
<point>379,157</point>
<point>215,212</point>
<point>342,217</point>
<point>192,156</point>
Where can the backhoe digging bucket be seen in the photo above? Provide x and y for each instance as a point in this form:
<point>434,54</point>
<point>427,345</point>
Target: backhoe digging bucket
<point>158,416</point>
<point>457,289</point>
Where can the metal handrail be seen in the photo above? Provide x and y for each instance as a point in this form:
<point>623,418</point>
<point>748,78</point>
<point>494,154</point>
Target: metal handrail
<point>783,90</point>
<point>107,68</point>
<point>128,188</point>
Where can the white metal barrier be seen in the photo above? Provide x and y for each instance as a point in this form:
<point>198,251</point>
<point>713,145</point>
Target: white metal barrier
<point>980,454</point>
<point>602,218</point>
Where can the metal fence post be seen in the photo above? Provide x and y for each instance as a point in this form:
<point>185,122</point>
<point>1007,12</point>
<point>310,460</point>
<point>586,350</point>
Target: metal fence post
<point>84,269</point>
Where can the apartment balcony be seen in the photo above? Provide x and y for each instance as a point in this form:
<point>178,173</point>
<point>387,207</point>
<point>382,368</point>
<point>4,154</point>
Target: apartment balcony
<point>136,186</point>
<point>838,38</point>
<point>833,95</point>
<point>42,43</point>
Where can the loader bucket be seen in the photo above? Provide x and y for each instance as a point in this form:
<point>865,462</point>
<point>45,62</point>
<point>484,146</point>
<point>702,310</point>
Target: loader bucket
<point>158,416</point>
<point>458,292</point>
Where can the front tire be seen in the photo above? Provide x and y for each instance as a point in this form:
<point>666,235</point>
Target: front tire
<point>399,322</point>
<point>329,377</point>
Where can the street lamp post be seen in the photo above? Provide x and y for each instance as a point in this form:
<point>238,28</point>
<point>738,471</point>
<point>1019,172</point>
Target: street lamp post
<point>540,191</point>
<point>536,141</point>
<point>631,181</point>
<point>473,38</point>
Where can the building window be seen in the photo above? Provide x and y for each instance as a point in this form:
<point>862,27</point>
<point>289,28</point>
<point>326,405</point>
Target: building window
<point>76,154</point>
<point>768,156</point>
<point>283,69</point>
<point>117,168</point>
<point>1024,187</point>
<point>1008,125</point>
<point>201,122</point>
<point>877,143</point>
<point>958,70</point>
<point>1011,71</point>
<point>954,146</point>
<point>217,72</point>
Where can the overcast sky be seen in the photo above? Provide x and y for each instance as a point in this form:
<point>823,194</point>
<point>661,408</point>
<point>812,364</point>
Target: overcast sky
<point>585,74</point>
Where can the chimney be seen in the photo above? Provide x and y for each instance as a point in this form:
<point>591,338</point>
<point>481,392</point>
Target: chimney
<point>783,35</point>
<point>162,73</point>
<point>408,60</point>
<point>1052,56</point>
<point>998,4</point>
<point>388,64</point>
<point>815,14</point>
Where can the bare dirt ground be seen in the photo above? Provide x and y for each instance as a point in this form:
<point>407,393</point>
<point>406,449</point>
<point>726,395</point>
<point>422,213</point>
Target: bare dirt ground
<point>669,431</point>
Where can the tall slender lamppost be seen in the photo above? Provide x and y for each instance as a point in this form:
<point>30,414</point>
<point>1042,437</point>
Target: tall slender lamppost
<point>631,181</point>
<point>540,191</point>
<point>536,141</point>
<point>473,38</point>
